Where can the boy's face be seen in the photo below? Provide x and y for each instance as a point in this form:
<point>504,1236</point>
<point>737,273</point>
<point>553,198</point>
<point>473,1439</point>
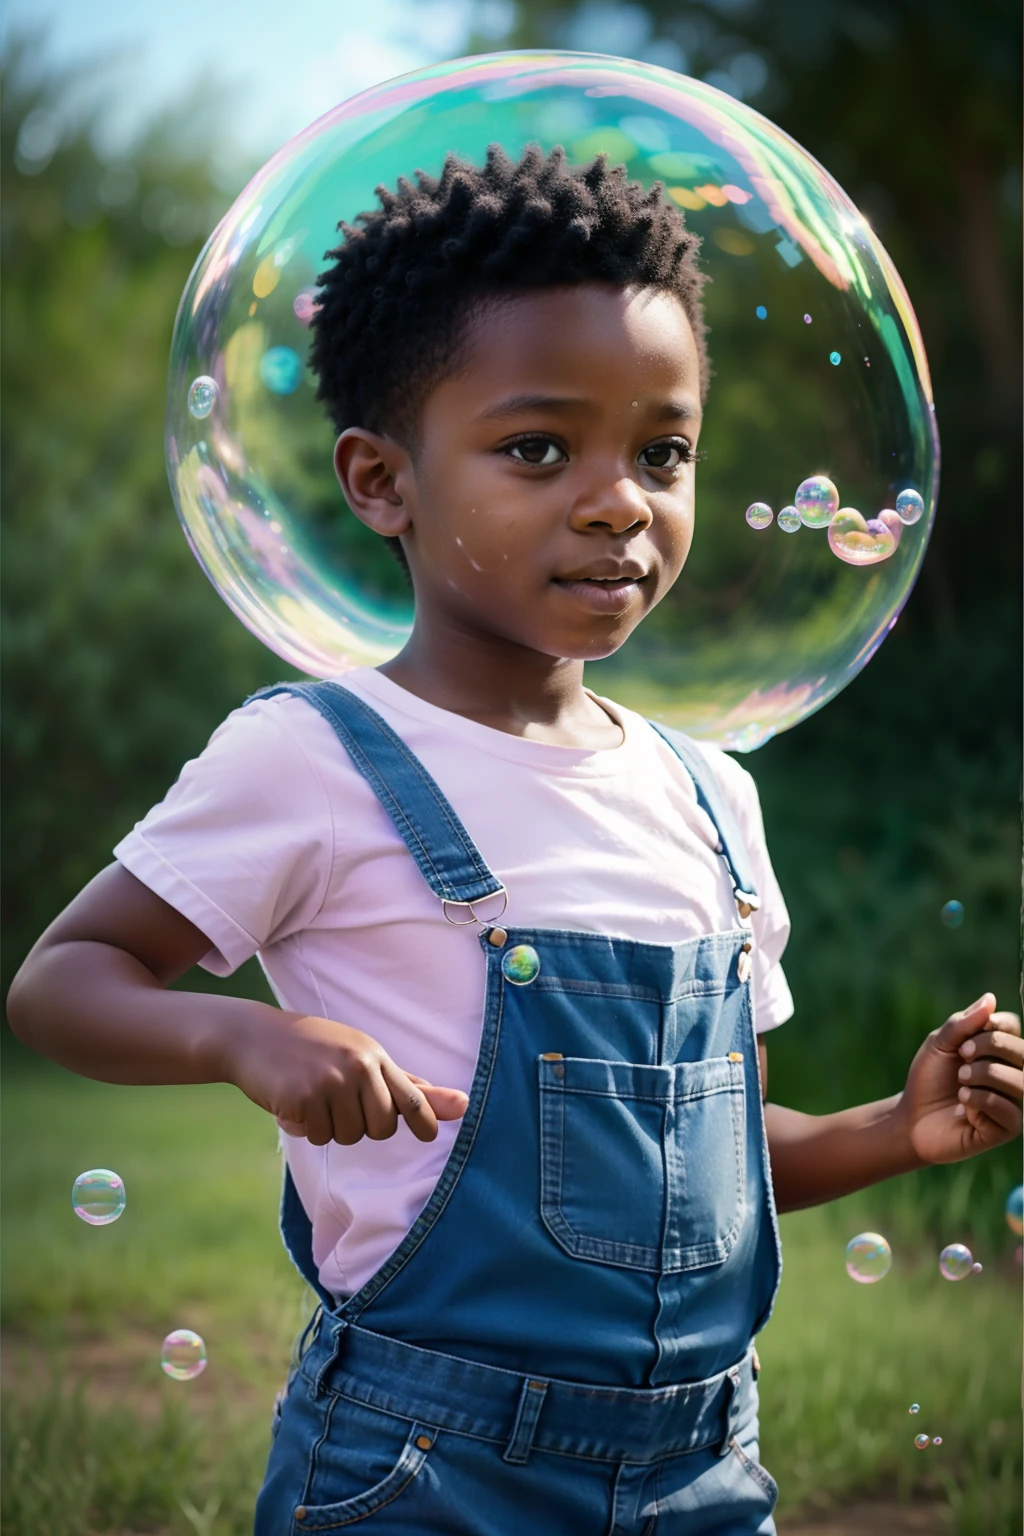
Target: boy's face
<point>550,498</point>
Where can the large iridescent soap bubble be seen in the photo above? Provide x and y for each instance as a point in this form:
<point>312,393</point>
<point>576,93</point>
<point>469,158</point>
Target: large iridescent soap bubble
<point>820,374</point>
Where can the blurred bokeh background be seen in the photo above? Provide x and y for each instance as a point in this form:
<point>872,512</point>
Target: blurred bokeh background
<point>126,132</point>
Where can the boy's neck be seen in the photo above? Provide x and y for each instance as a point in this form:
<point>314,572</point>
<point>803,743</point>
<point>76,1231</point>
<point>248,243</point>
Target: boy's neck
<point>503,685</point>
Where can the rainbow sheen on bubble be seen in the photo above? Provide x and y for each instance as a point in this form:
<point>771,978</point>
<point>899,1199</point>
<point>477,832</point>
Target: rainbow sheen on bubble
<point>859,541</point>
<point>202,396</point>
<point>1015,1210</point>
<point>914,1408</point>
<point>759,514</point>
<point>790,520</point>
<point>98,1196</point>
<point>183,1355</point>
<point>758,633</point>
<point>937,1440</point>
<point>520,965</point>
<point>868,1258</point>
<point>816,500</point>
<point>921,1441</point>
<point>952,914</point>
<point>956,1261</point>
<point>909,506</point>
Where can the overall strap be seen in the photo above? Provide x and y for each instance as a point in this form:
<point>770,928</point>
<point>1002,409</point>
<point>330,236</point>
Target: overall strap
<point>732,844</point>
<point>446,855</point>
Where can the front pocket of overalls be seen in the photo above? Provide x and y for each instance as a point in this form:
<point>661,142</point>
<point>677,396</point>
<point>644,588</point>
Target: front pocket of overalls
<point>642,1166</point>
<point>370,1458</point>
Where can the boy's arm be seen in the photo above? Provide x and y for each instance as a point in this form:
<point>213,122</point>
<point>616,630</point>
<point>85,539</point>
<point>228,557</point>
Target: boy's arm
<point>963,1095</point>
<point>92,996</point>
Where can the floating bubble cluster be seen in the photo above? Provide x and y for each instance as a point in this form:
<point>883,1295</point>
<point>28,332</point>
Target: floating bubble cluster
<point>98,1196</point>
<point>956,1261</point>
<point>1015,1210</point>
<point>952,914</point>
<point>183,1355</point>
<point>854,539</point>
<point>756,634</point>
<point>868,1258</point>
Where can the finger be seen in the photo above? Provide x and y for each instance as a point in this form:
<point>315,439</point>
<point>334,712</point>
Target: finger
<point>447,1103</point>
<point>998,1046</point>
<point>981,1101</point>
<point>348,1123</point>
<point>379,1113</point>
<point>960,1026</point>
<point>995,1075</point>
<point>410,1100</point>
<point>317,1123</point>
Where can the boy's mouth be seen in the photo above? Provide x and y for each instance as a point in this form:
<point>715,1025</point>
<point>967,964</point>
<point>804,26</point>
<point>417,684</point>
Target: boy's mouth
<point>607,587</point>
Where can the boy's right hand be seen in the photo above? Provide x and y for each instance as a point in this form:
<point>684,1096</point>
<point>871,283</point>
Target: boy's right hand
<point>327,1082</point>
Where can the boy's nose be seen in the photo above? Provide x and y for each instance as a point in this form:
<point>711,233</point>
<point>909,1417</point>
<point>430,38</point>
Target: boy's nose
<point>618,506</point>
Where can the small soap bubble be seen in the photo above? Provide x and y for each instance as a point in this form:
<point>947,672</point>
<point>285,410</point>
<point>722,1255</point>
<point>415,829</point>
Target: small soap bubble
<point>817,501</point>
<point>914,1408</point>
<point>759,514</point>
<point>807,319</point>
<point>921,1441</point>
<point>956,1261</point>
<point>976,1268</point>
<point>790,520</point>
<point>937,1440</point>
<point>952,914</point>
<point>761,312</point>
<point>868,1258</point>
<point>202,396</point>
<point>909,505</point>
<point>183,1355</point>
<point>859,542</point>
<point>281,370</point>
<point>1015,1210</point>
<point>520,965</point>
<point>304,305</point>
<point>835,358</point>
<point>98,1196</point>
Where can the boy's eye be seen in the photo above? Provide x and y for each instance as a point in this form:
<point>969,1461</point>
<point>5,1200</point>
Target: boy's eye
<point>538,451</point>
<point>668,455</point>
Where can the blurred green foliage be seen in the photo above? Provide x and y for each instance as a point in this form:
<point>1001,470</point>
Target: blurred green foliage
<point>119,659</point>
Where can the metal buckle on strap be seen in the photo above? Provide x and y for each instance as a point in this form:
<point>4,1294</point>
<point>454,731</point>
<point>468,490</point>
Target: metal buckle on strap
<point>474,916</point>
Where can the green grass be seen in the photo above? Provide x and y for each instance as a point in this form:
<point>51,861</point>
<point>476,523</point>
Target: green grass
<point>97,1440</point>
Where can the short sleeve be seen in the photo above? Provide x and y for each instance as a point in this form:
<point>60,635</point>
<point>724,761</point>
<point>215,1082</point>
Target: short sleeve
<point>243,843</point>
<point>773,1001</point>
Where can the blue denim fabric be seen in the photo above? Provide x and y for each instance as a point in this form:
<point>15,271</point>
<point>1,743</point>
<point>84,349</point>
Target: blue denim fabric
<point>563,1336</point>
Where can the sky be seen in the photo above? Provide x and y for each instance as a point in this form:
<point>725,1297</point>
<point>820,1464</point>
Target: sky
<point>279,64</point>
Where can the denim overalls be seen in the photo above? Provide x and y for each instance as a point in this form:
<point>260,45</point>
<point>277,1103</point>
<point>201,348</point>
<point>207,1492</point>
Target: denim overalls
<point>561,1343</point>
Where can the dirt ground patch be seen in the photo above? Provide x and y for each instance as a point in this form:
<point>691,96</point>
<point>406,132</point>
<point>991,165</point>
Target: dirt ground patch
<point>874,1519</point>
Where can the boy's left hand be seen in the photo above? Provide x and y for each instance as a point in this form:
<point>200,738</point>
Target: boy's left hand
<point>966,1085</point>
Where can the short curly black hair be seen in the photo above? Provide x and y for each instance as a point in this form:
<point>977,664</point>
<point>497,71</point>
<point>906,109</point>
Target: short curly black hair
<point>390,312</point>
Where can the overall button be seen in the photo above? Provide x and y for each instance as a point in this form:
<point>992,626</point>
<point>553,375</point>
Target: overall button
<point>521,965</point>
<point>423,1442</point>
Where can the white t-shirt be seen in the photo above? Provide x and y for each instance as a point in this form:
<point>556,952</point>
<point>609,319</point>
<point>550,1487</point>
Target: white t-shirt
<point>272,843</point>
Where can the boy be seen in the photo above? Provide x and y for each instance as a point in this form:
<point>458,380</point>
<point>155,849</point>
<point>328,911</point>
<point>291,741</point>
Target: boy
<point>520,938</point>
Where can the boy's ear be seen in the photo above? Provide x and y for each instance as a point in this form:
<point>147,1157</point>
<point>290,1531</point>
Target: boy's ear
<point>370,468</point>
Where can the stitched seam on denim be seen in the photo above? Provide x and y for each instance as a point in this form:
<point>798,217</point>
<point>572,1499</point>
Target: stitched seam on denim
<point>627,1097</point>
<point>428,783</point>
<point>552,982</point>
<point>315,1451</point>
<point>552,1159</point>
<point>458,1157</point>
<point>760,1474</point>
<point>716,1250</point>
<point>409,1465</point>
